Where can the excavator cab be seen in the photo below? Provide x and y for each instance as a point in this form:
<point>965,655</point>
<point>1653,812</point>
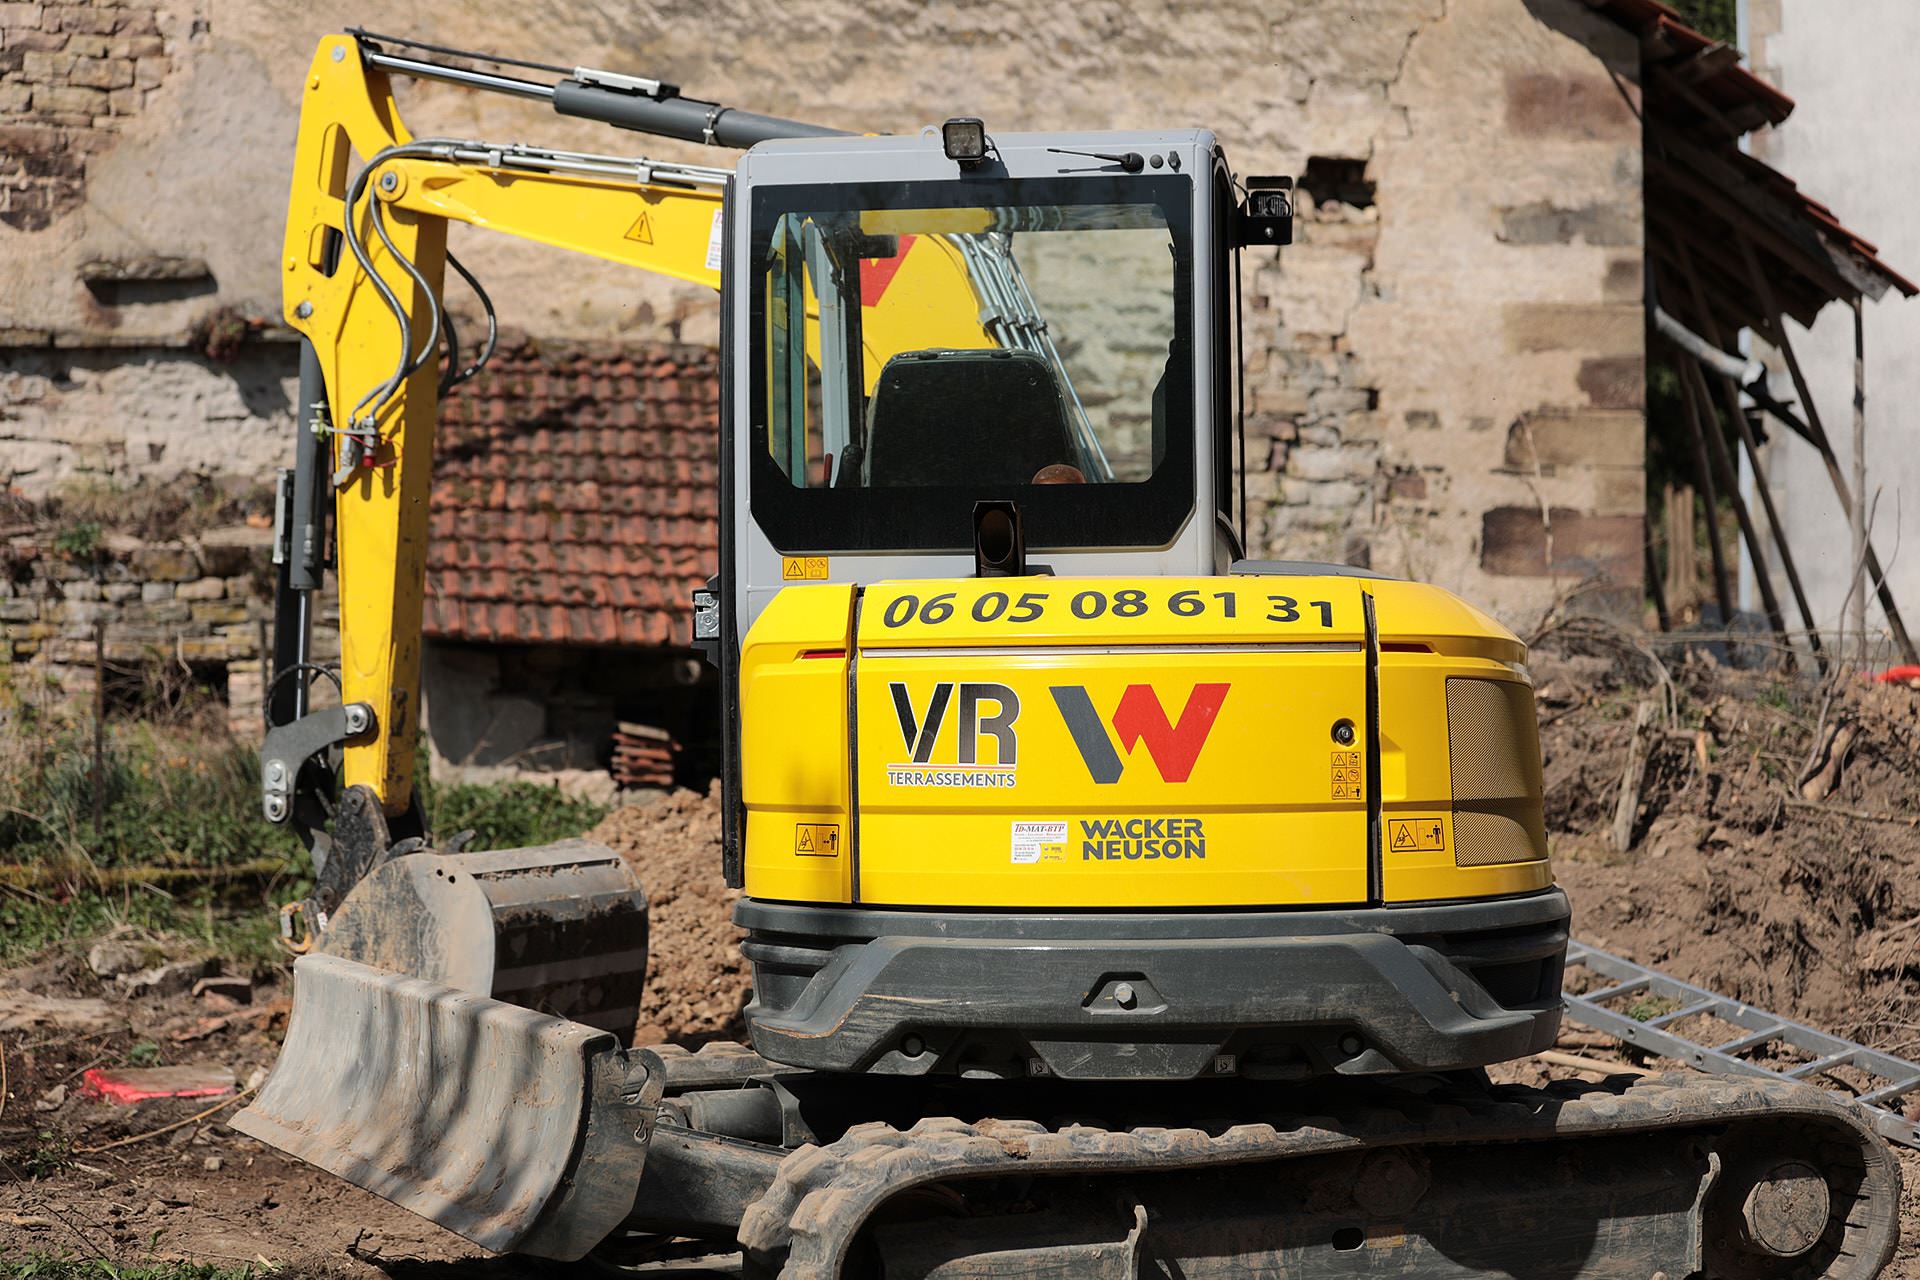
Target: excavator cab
<point>1116,905</point>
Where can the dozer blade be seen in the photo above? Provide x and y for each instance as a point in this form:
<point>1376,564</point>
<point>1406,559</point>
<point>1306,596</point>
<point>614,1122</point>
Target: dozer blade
<point>515,1129</point>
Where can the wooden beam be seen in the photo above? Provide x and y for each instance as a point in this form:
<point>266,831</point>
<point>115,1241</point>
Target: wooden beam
<point>1703,477</point>
<point>1775,332</point>
<point>1730,395</point>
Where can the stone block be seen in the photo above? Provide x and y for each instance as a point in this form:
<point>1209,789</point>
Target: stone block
<point>166,562</point>
<point>1625,279</point>
<point>46,68</point>
<point>1601,438</point>
<point>166,611</point>
<point>82,589</point>
<point>1408,486</point>
<point>1337,495</point>
<point>1328,401</point>
<point>1316,464</point>
<point>121,592</point>
<point>26,610</point>
<point>72,99</point>
<point>149,72</point>
<point>1585,107</point>
<point>1596,328</point>
<point>24,40</point>
<point>125,102</point>
<point>217,612</point>
<point>1545,223</point>
<point>1421,420</point>
<point>16,97</point>
<point>102,73</point>
<point>1513,543</point>
<point>201,589</point>
<point>87,46</point>
<point>20,17</point>
<point>151,592</point>
<point>98,20</point>
<point>135,47</point>
<point>204,648</point>
<point>1320,436</point>
<point>1614,382</point>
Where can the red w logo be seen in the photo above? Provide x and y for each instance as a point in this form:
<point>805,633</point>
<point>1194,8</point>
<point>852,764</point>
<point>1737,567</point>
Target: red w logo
<point>1174,745</point>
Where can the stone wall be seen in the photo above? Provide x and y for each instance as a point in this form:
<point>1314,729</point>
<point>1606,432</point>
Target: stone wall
<point>1445,371</point>
<point>186,611</point>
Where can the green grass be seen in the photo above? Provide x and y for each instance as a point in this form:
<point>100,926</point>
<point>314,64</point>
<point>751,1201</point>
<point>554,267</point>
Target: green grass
<point>48,1266</point>
<point>180,847</point>
<point>507,815</point>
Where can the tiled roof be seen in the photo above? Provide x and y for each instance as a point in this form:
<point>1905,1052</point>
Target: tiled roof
<point>574,496</point>
<point>1700,102</point>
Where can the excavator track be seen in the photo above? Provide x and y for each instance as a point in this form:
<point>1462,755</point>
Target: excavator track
<point>1669,1175</point>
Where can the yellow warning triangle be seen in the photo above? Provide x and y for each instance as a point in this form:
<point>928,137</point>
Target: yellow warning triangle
<point>641,230</point>
<point>806,840</point>
<point>1402,836</point>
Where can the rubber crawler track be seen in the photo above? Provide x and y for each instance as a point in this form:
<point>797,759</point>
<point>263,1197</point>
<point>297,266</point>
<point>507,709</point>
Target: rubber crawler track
<point>806,1223</point>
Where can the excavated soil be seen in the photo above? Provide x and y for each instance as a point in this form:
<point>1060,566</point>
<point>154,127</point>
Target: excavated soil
<point>697,983</point>
<point>1776,837</point>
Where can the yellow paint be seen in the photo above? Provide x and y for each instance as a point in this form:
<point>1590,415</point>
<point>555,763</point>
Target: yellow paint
<point>1271,797</point>
<point>793,694</point>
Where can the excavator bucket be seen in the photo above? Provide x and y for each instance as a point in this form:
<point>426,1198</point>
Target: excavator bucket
<point>453,1048</point>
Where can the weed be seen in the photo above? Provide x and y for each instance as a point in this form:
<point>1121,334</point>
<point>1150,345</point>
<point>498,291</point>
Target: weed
<point>51,1153</point>
<point>507,815</point>
<point>80,541</point>
<point>144,1054</point>
<point>1651,1007</point>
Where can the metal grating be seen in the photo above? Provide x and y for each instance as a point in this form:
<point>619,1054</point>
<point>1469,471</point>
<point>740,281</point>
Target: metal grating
<point>1825,1052</point>
<point>1493,753</point>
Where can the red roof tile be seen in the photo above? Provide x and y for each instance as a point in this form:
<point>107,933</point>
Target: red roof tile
<point>575,496</point>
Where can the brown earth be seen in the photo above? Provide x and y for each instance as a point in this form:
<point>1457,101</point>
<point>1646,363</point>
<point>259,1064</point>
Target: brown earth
<point>1735,880</point>
<point>697,983</point>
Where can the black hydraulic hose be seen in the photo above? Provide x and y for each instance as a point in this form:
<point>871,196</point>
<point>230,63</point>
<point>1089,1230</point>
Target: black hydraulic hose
<point>686,118</point>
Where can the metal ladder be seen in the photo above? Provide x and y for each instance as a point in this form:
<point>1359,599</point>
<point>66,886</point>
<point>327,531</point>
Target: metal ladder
<point>1761,1027</point>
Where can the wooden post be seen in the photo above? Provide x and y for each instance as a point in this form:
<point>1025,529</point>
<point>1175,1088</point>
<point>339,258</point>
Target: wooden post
<point>1775,332</point>
<point>1858,586</point>
<point>1730,395</point>
<point>99,732</point>
<point>1703,473</point>
<point>1652,569</point>
<point>1723,466</point>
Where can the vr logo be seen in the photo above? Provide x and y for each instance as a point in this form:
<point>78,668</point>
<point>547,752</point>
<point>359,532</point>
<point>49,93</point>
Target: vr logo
<point>1174,746</point>
<point>920,733</point>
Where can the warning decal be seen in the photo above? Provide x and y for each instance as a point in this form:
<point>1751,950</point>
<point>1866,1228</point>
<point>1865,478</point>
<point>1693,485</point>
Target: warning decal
<point>714,241</point>
<point>816,839</point>
<point>1347,775</point>
<point>1416,835</point>
<point>641,230</point>
<point>803,568</point>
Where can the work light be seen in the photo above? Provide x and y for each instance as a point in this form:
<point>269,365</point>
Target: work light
<point>964,139</point>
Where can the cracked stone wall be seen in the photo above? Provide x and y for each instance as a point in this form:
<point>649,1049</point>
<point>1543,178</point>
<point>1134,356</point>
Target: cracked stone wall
<point>1444,371</point>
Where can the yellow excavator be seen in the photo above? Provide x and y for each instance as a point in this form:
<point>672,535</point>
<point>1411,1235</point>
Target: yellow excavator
<point>1117,905</point>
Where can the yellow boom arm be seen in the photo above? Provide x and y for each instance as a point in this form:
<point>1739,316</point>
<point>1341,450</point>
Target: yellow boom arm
<point>659,218</point>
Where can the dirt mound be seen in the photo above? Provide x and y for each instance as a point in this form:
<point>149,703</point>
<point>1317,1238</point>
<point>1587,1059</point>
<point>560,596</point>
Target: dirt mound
<point>697,982</point>
<point>1774,844</point>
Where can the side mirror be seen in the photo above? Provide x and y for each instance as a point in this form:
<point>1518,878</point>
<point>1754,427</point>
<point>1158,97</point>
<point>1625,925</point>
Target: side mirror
<point>1266,215</point>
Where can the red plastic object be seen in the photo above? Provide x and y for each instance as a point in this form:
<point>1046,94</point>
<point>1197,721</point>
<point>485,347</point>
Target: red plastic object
<point>125,1086</point>
<point>1899,675</point>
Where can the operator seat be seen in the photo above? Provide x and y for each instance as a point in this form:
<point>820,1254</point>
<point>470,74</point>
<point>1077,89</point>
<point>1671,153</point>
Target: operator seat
<point>959,417</point>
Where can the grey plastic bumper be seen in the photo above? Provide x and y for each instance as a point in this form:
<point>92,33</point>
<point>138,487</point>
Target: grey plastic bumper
<point>1113,996</point>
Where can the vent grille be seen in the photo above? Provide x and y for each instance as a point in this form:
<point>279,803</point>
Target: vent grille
<point>1493,742</point>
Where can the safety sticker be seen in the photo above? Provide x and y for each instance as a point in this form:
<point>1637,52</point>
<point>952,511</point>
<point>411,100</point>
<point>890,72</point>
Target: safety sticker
<point>714,242</point>
<point>1416,835</point>
<point>803,568</point>
<point>642,229</point>
<point>1347,774</point>
<point>1039,841</point>
<point>816,839</point>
